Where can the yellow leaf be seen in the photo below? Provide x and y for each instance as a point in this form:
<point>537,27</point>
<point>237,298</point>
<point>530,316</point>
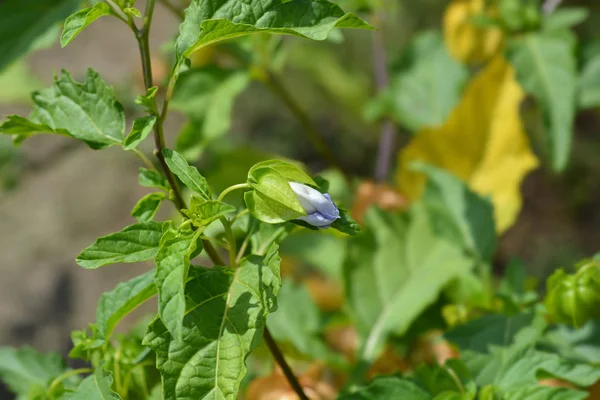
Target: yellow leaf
<point>465,41</point>
<point>482,142</point>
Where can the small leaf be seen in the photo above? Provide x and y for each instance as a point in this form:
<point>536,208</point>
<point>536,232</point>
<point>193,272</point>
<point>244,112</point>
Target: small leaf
<point>206,23</point>
<point>95,387</point>
<point>153,179</point>
<point>124,298</point>
<point>137,242</point>
<point>146,208</point>
<point>132,11</point>
<point>203,213</point>
<point>546,69</point>
<point>87,111</point>
<point>388,388</point>
<point>23,22</point>
<point>224,320</point>
<point>25,369</point>
<point>189,175</point>
<point>172,265</point>
<point>147,100</point>
<point>76,23</point>
<point>139,131</point>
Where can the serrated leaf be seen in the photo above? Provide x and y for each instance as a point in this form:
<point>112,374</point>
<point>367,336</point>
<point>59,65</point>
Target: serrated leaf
<point>498,155</point>
<point>207,23</point>
<point>23,370</point>
<point>589,83</point>
<point>546,68</point>
<point>224,320</point>
<point>388,388</point>
<point>87,111</point>
<point>97,386</point>
<point>24,21</point>
<point>124,298</point>
<point>393,271</point>
<point>172,265</point>
<point>146,208</point>
<point>139,131</point>
<point>206,95</point>
<point>188,174</point>
<point>203,213</point>
<point>424,91</point>
<point>76,23</point>
<point>147,100</point>
<point>153,179</point>
<point>137,242</point>
<point>458,213</point>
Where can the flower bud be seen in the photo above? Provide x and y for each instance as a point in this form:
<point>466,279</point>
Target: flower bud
<point>320,210</point>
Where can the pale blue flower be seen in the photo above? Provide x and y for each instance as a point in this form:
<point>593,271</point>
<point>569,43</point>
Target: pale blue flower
<point>321,211</point>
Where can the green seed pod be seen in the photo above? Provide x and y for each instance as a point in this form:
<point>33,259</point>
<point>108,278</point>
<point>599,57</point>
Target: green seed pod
<point>575,299</point>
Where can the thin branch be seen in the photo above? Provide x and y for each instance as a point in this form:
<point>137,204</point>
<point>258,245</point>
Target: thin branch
<point>287,371</point>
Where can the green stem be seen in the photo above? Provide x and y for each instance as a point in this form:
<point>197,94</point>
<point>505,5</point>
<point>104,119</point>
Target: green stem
<point>117,11</point>
<point>243,246</point>
<point>231,241</point>
<point>144,159</point>
<point>243,212</point>
<point>287,371</point>
<point>231,189</point>
<point>270,240</point>
<point>66,375</point>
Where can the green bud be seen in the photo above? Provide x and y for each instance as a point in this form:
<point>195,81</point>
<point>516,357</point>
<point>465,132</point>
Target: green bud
<point>575,299</point>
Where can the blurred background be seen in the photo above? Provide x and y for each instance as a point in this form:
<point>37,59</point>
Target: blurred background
<point>57,196</point>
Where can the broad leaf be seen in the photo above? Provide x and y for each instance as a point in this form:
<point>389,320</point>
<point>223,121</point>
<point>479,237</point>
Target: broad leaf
<point>224,320</point>
<point>188,174</point>
<point>498,155</point>
<point>76,23</point>
<point>172,265</point>
<point>95,387</point>
<point>137,242</point>
<point>426,89</point>
<point>87,111</point>
<point>209,22</point>
<point>124,298</point>
<point>581,344</point>
<point>546,69</point>
<point>589,83</point>
<point>458,213</point>
<point>146,208</point>
<point>153,179</point>
<point>203,213</point>
<point>394,271</point>
<point>544,393</point>
<point>24,21</point>
<point>206,96</point>
<point>25,371</point>
<point>388,388</point>
<point>139,131</point>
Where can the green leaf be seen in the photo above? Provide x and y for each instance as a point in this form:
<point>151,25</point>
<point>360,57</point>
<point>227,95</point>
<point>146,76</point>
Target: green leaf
<point>26,371</point>
<point>172,265</point>
<point>425,88</point>
<point>224,321</point>
<point>564,18</point>
<point>147,100</point>
<point>206,95</point>
<point>97,386</point>
<point>153,179</point>
<point>139,131</point>
<point>544,393</point>
<point>546,69</point>
<point>146,208</point>
<point>581,344</point>
<point>589,84</point>
<point>388,388</point>
<point>134,12</point>
<point>458,213</point>
<point>453,376</point>
<point>289,171</point>
<point>203,213</point>
<point>137,242</point>
<point>24,21</point>
<point>319,249</point>
<point>298,321</point>
<point>345,223</point>
<point>123,299</point>
<point>76,23</point>
<point>207,23</point>
<point>394,270</point>
<point>86,111</point>
<point>187,174</point>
